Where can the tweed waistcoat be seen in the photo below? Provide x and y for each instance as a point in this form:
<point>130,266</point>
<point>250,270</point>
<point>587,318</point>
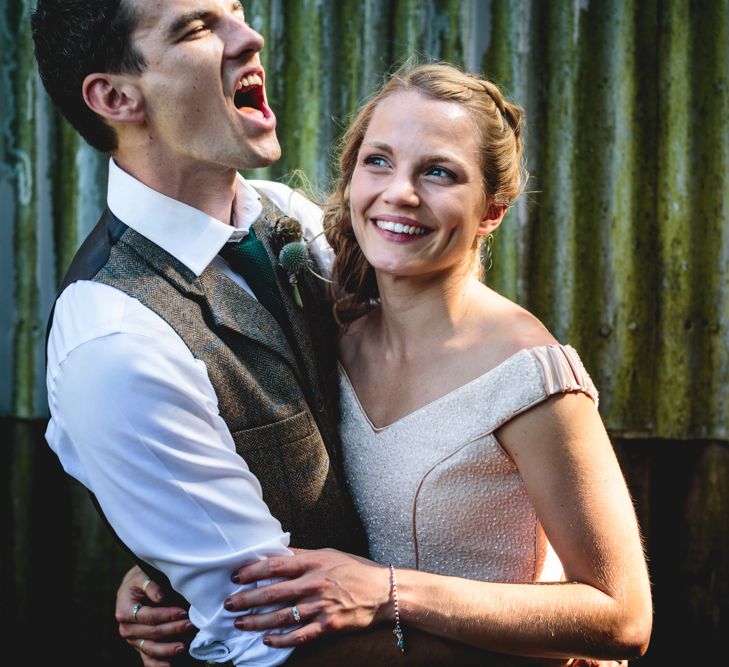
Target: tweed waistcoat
<point>278,397</point>
<point>279,400</point>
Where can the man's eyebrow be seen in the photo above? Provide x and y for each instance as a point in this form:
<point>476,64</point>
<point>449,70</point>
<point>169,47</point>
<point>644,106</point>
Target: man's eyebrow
<point>184,19</point>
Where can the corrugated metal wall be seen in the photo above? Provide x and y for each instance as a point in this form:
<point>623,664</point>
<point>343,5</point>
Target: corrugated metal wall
<point>621,245</point>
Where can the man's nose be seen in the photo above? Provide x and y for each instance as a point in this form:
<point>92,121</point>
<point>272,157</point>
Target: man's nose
<point>240,38</point>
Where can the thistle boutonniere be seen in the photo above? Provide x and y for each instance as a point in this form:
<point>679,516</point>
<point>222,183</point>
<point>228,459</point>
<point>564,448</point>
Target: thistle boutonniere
<point>292,252</point>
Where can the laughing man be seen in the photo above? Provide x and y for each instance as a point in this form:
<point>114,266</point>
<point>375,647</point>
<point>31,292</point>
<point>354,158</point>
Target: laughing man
<point>193,413</point>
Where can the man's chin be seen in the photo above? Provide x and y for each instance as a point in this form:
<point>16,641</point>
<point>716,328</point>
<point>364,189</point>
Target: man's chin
<point>263,156</point>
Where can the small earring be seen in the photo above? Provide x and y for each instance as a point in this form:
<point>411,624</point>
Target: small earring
<point>487,250</point>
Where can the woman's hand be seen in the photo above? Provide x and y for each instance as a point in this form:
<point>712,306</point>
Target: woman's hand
<point>156,631</point>
<point>331,591</point>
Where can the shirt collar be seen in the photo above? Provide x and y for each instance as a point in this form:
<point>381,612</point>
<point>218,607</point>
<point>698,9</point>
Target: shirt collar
<point>189,235</point>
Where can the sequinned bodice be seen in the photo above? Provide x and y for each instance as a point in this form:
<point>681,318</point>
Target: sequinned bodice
<point>437,492</point>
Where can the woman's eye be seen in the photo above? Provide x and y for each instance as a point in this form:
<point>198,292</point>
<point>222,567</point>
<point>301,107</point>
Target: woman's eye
<point>375,161</point>
<point>440,172</point>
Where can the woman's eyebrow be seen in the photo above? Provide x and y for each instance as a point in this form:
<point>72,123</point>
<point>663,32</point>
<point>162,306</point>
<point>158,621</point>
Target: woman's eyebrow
<point>440,157</point>
<point>377,145</point>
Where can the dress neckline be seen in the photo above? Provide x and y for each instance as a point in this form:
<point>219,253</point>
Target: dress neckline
<point>466,385</point>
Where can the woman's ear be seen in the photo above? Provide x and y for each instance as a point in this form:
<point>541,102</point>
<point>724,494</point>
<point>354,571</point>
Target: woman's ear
<point>492,218</point>
<point>114,97</point>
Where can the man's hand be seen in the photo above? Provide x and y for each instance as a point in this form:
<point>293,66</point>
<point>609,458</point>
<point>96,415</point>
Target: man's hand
<point>157,632</point>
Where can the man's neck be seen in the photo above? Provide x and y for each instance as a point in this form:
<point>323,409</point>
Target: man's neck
<point>208,188</point>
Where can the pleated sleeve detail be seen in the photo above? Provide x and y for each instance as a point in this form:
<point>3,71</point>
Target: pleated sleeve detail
<point>562,371</point>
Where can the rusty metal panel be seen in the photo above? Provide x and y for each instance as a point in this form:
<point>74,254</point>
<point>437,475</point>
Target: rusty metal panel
<point>692,219</point>
<point>620,245</point>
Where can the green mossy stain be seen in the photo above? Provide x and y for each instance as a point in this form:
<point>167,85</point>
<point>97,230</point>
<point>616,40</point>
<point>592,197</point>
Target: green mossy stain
<point>25,241</point>
<point>674,211</point>
<point>498,66</point>
<point>300,119</point>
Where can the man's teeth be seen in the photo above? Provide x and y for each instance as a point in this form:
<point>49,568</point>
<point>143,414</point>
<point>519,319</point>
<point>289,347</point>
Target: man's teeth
<point>399,228</point>
<point>251,80</point>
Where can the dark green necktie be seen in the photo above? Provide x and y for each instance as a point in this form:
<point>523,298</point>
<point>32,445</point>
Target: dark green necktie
<point>249,258</point>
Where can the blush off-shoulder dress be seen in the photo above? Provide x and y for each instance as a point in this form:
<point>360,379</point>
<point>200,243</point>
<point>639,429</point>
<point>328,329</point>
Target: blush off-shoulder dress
<point>437,492</point>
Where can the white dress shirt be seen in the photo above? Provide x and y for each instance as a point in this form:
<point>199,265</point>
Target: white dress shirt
<point>134,418</point>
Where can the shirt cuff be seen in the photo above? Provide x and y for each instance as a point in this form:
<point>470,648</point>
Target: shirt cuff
<point>243,650</point>
<point>218,640</point>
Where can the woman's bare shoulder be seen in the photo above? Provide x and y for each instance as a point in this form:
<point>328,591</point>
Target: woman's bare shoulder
<point>512,328</point>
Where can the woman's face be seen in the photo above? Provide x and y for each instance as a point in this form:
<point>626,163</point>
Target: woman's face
<point>416,195</point>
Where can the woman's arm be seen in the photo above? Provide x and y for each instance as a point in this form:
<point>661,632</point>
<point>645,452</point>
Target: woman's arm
<point>572,476</point>
<point>575,483</point>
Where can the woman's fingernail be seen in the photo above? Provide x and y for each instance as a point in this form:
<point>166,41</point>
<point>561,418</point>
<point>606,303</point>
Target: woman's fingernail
<point>181,615</point>
<point>235,578</point>
<point>266,641</point>
<point>179,650</point>
<point>240,623</point>
<point>228,604</point>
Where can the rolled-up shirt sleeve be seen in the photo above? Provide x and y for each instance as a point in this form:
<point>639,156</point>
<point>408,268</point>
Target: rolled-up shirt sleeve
<point>134,417</point>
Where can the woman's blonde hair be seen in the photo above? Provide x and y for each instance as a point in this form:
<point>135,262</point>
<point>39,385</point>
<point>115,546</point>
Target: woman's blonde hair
<point>500,125</point>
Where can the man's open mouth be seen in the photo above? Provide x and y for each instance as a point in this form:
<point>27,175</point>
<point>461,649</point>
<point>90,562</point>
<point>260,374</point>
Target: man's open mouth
<point>250,95</point>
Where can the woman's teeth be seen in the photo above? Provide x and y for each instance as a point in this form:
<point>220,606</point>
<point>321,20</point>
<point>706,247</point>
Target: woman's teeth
<point>399,228</point>
<point>251,80</point>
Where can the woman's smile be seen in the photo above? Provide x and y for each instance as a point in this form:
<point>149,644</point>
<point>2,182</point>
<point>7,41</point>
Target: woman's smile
<point>399,228</point>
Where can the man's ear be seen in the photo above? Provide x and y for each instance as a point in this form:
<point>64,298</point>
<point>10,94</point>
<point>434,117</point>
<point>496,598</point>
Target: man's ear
<point>492,218</point>
<point>114,97</point>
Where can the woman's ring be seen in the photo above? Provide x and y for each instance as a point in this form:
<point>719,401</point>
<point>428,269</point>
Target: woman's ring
<point>135,611</point>
<point>141,644</point>
<point>297,615</point>
<point>146,583</point>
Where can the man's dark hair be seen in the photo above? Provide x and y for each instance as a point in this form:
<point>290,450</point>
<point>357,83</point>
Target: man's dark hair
<point>74,38</point>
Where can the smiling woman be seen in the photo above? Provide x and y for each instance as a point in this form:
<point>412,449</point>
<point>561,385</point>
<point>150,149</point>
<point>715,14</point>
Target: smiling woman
<point>417,199</point>
<point>461,189</point>
<point>471,439</point>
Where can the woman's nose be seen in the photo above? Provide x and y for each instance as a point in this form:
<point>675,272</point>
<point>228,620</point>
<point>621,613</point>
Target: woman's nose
<point>401,191</point>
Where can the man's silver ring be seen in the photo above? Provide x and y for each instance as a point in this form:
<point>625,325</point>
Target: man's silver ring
<point>297,615</point>
<point>135,611</point>
<point>141,644</point>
